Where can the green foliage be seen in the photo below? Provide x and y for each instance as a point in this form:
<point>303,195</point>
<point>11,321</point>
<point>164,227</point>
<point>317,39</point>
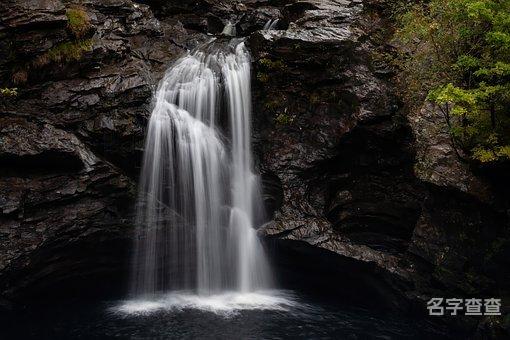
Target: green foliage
<point>61,53</point>
<point>69,51</point>
<point>267,67</point>
<point>276,104</point>
<point>272,65</point>
<point>78,22</point>
<point>79,25</point>
<point>456,53</point>
<point>284,119</point>
<point>8,92</point>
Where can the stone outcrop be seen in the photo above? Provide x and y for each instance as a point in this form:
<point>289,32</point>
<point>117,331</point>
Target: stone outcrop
<point>330,136</point>
<point>55,195</point>
<point>355,174</point>
<point>438,160</point>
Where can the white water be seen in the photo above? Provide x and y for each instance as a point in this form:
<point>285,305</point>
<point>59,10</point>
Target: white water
<point>229,30</point>
<point>270,24</point>
<point>199,197</point>
<point>225,304</point>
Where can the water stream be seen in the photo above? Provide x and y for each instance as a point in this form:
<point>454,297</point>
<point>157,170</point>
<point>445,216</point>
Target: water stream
<point>200,199</point>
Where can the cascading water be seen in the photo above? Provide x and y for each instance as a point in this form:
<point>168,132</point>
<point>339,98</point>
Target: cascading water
<point>270,24</point>
<point>200,199</point>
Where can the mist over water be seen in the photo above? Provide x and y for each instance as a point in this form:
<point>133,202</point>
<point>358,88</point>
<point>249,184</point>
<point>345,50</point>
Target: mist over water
<point>226,304</point>
<point>199,197</point>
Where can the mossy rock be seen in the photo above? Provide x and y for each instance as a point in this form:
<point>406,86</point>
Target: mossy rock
<point>69,51</point>
<point>78,22</point>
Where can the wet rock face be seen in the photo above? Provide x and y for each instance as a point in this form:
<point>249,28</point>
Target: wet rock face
<point>206,16</point>
<point>330,139</point>
<point>351,172</point>
<point>462,231</point>
<point>71,139</point>
<point>104,95</point>
<point>438,160</point>
<point>328,131</point>
<point>55,194</point>
<point>33,13</point>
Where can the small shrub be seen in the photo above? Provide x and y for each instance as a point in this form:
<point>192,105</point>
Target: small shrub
<point>41,60</point>
<point>9,92</point>
<point>272,104</point>
<point>456,54</point>
<point>78,22</point>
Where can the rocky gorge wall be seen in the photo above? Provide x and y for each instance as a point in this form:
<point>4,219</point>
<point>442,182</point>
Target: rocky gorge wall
<point>362,195</point>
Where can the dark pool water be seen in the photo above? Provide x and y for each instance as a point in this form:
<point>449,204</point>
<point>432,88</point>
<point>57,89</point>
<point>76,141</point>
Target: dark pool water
<point>280,315</point>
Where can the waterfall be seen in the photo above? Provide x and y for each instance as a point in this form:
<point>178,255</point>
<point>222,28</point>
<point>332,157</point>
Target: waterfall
<point>229,30</point>
<point>199,198</point>
<point>270,24</point>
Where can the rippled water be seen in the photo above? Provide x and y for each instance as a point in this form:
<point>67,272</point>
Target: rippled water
<point>226,304</point>
<point>260,315</point>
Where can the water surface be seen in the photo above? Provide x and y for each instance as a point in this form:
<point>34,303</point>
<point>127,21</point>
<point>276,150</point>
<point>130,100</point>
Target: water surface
<point>260,315</point>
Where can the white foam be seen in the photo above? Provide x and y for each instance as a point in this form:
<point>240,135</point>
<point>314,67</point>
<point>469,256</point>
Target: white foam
<point>226,304</point>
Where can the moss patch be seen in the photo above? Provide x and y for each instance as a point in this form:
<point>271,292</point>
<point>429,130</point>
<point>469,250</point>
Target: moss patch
<point>273,104</point>
<point>62,53</point>
<point>78,22</point>
<point>314,98</point>
<point>69,51</point>
<point>272,65</point>
<point>284,119</point>
<point>8,92</point>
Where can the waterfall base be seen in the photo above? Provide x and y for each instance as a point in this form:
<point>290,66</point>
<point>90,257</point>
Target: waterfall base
<point>227,303</point>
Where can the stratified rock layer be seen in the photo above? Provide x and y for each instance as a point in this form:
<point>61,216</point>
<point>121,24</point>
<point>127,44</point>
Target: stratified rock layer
<point>351,172</point>
<point>71,140</point>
